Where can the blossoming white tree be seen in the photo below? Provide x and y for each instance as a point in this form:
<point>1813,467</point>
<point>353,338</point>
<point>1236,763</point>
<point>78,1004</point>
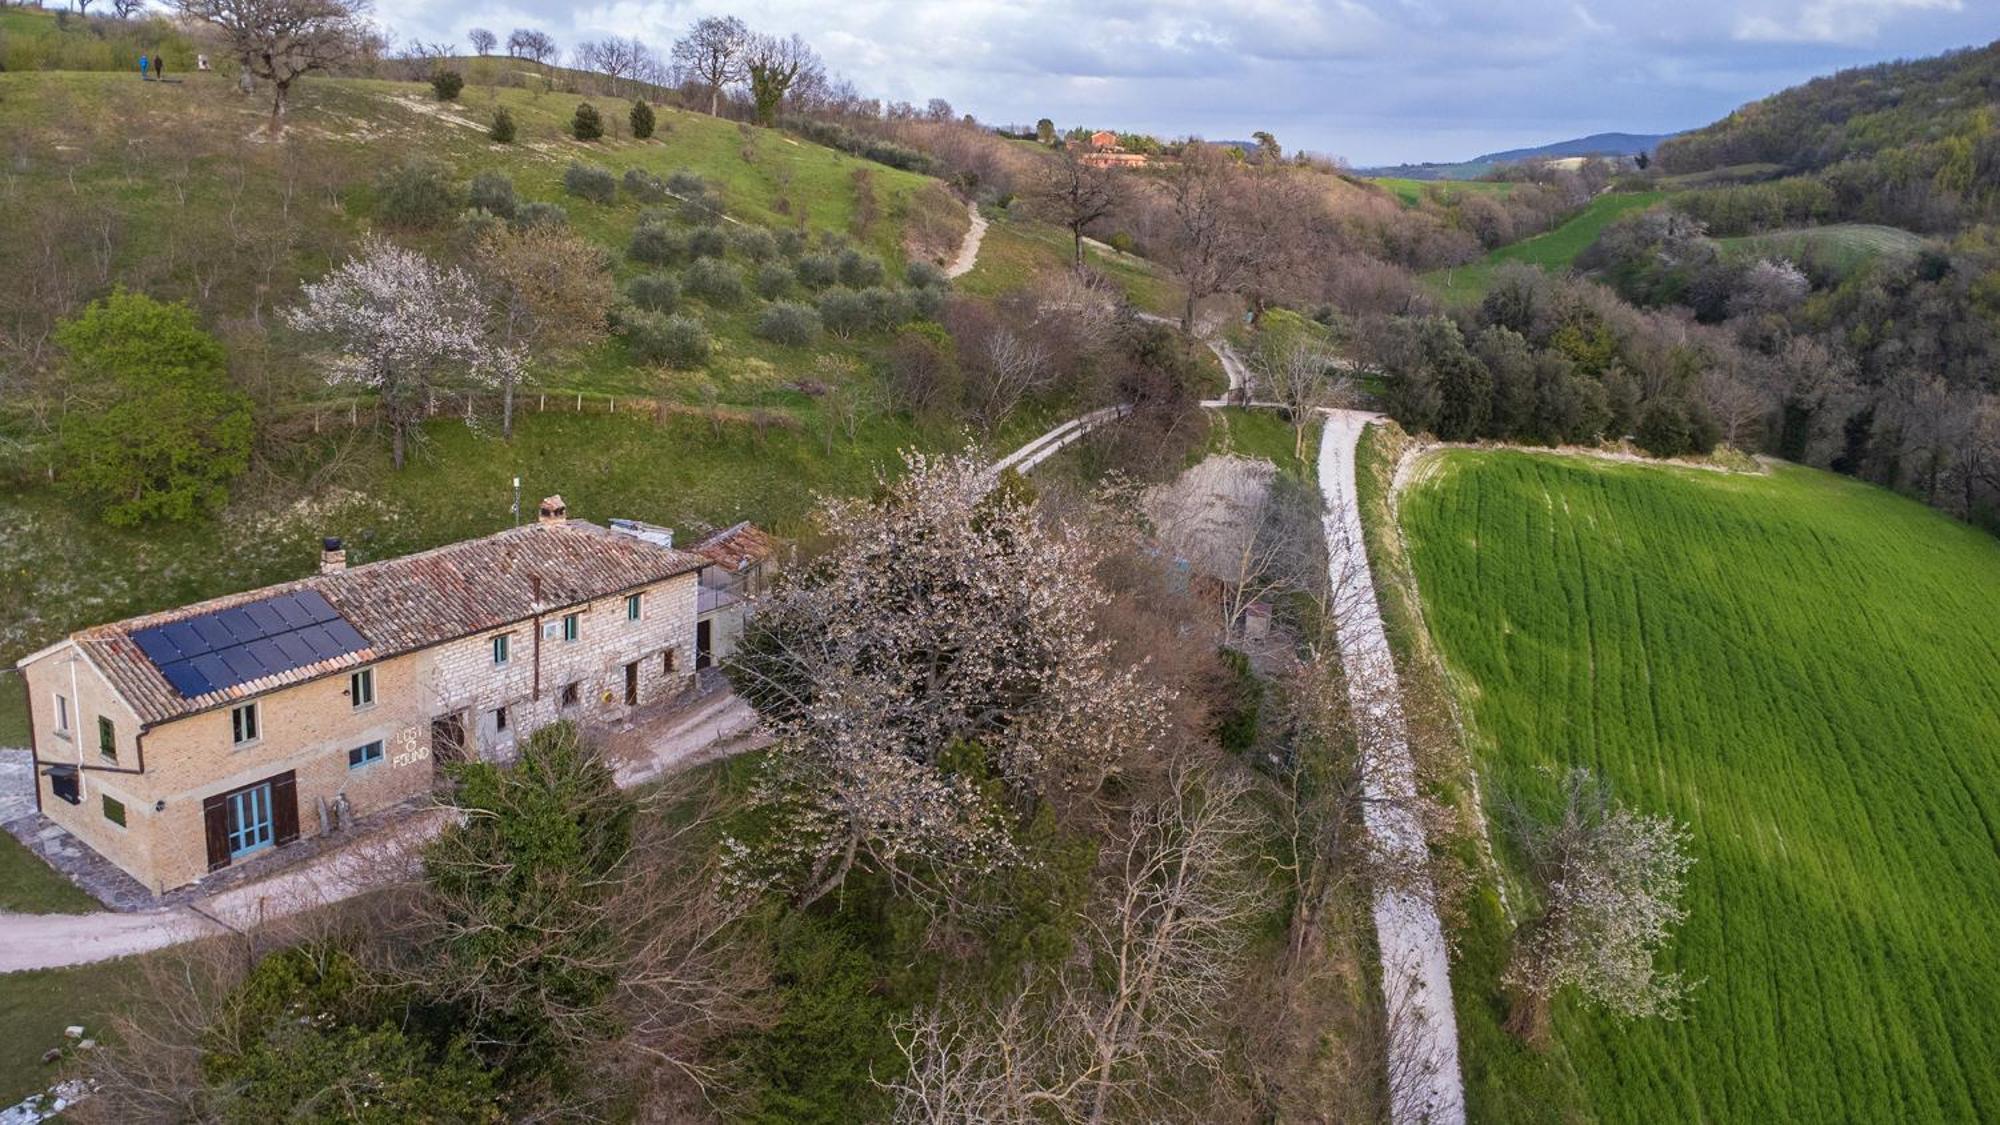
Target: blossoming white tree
<point>935,671</point>
<point>403,326</point>
<point>1609,883</point>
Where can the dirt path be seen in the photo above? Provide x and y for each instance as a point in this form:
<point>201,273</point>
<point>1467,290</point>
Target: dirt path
<point>1416,965</point>
<point>968,251</point>
<point>714,728</point>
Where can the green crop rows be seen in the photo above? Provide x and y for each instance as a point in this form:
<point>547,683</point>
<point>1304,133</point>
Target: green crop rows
<point>1806,671</point>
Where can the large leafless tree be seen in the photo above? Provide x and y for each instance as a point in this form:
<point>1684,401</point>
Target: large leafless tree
<point>714,53</point>
<point>1204,241</point>
<point>1073,193</point>
<point>279,40</point>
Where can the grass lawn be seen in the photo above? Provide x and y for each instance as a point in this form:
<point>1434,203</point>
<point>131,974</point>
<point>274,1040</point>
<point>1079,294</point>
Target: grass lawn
<point>1551,250</point>
<point>36,1006</point>
<point>1260,433</point>
<point>29,886</point>
<point>1802,669</point>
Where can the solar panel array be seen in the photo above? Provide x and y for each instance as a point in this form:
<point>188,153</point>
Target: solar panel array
<point>219,650</point>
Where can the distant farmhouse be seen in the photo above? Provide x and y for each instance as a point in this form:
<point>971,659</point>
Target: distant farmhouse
<point>1103,150</point>
<point>180,743</point>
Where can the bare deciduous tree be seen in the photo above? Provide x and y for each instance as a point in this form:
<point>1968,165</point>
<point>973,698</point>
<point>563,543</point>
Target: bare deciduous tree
<point>1074,194</point>
<point>713,52</point>
<point>1608,883</point>
<point>482,40</point>
<point>279,40</point>
<point>1117,1032</point>
<point>550,290</point>
<point>531,43</point>
<point>1306,378</point>
<point>1203,243</point>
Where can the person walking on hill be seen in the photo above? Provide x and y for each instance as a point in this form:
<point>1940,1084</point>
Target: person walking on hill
<point>144,62</point>
<point>160,68</point>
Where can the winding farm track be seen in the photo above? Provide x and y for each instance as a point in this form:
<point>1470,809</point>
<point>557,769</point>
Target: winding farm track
<point>968,251</point>
<point>1425,1085</point>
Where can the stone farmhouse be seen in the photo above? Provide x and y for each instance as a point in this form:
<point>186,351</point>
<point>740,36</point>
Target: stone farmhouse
<point>179,743</point>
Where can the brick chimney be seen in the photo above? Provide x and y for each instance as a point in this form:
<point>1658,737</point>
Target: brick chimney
<point>553,510</point>
<point>332,556</point>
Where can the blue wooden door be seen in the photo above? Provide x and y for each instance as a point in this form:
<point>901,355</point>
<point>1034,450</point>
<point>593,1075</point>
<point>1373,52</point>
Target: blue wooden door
<point>250,820</point>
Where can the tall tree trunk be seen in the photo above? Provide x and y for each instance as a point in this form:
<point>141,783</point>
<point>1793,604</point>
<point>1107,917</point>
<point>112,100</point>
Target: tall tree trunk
<point>279,89</point>
<point>715,101</point>
<point>507,409</point>
<point>397,442</point>
<point>1187,314</point>
<point>1077,231</point>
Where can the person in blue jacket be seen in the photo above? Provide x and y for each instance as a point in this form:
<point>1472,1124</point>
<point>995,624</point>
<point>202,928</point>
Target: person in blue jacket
<point>144,64</point>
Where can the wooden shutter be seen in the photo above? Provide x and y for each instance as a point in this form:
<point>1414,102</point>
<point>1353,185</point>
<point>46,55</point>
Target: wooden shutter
<point>285,807</point>
<point>215,821</point>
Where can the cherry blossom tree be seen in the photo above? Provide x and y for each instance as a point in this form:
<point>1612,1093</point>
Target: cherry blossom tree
<point>1609,881</point>
<point>938,669</point>
<point>404,327</point>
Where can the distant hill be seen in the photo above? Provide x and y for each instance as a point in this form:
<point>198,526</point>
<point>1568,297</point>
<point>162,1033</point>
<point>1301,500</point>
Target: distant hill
<point>1597,144</point>
<point>1912,144</point>
<point>1924,106</point>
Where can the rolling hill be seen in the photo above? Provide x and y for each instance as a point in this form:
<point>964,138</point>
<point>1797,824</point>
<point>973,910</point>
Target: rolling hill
<point>1596,144</point>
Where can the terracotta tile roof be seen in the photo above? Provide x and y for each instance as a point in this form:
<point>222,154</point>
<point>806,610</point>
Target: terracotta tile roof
<point>408,603</point>
<point>733,547</point>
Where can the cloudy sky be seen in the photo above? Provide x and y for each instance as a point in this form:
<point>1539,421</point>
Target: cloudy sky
<point>1375,81</point>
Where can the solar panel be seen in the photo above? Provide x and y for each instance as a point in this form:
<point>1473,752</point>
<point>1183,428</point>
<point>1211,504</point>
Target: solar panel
<point>219,650</point>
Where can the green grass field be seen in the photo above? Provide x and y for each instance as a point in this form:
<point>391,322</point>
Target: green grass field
<point>1552,250</point>
<point>1410,192</point>
<point>1806,671</point>
<point>1846,246</point>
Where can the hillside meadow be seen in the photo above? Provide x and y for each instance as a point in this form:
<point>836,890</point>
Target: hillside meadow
<point>1804,670</point>
<point>1553,250</point>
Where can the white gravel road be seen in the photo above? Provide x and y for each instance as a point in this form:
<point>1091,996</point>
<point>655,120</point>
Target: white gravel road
<point>1416,967</point>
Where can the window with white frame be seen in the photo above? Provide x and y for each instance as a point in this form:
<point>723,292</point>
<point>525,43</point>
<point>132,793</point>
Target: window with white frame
<point>62,714</point>
<point>244,725</point>
<point>632,607</point>
<point>364,755</point>
<point>361,688</point>
<point>501,644</point>
<point>572,626</point>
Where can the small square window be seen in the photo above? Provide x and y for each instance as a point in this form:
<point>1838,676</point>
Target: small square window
<point>500,645</point>
<point>500,718</point>
<point>114,811</point>
<point>361,688</point>
<point>571,693</point>
<point>364,755</point>
<point>571,626</point>
<point>107,738</point>
<point>243,724</point>
<point>632,607</point>
<point>667,662</point>
<point>62,715</point>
